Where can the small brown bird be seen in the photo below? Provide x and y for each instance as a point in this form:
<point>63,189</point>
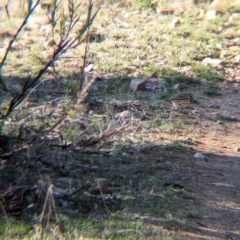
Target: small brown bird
<point>97,187</point>
<point>100,186</point>
<point>181,100</point>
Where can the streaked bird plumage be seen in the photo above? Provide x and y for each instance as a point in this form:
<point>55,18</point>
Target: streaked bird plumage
<point>182,100</point>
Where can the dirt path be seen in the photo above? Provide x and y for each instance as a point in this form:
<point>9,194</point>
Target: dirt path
<point>215,179</point>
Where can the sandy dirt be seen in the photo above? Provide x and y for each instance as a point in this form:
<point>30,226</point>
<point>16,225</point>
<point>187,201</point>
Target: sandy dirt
<point>214,180</point>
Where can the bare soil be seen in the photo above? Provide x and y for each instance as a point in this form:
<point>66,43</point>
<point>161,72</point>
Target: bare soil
<point>214,180</point>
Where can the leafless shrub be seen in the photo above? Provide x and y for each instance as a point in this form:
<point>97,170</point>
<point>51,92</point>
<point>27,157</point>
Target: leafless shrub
<point>67,25</point>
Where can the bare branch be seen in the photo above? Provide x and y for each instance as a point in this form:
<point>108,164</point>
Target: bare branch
<point>31,10</point>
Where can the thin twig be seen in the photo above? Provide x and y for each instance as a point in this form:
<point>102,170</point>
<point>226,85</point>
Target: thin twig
<point>18,31</point>
<point>5,213</point>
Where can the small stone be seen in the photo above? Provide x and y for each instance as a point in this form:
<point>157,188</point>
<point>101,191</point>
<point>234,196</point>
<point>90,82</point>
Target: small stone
<point>212,62</point>
<point>124,154</point>
<point>146,125</point>
<point>165,36</point>
<point>211,14</point>
<point>219,46</point>
<point>138,84</point>
<point>88,68</point>
<point>238,149</point>
<point>237,59</point>
<point>198,155</point>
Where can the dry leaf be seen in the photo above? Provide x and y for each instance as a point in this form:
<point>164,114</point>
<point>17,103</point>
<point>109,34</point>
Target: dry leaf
<point>165,11</point>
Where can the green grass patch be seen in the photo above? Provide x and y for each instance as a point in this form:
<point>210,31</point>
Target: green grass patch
<point>14,230</point>
<point>206,72</point>
<point>119,85</point>
<point>172,77</point>
<point>142,96</point>
<point>146,3</point>
<point>211,90</point>
<point>167,95</point>
<point>175,146</point>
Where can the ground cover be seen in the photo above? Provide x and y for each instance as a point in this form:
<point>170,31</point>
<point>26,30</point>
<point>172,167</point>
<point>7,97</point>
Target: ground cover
<point>122,165</point>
